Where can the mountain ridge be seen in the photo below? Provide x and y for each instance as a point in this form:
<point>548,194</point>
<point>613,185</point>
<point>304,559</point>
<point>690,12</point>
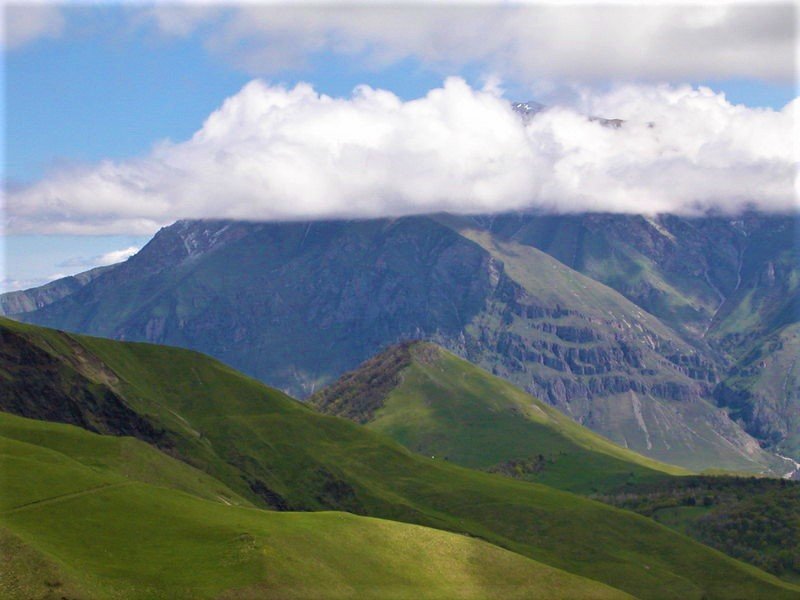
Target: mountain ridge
<point>363,285</point>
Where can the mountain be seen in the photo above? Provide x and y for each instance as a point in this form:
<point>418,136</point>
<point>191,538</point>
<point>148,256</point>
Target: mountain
<point>437,404</point>
<point>305,302</point>
<point>710,277</point>
<point>730,286</point>
<point>273,451</point>
<point>85,515</point>
<point>763,390</point>
<point>527,110</point>
<point>29,300</point>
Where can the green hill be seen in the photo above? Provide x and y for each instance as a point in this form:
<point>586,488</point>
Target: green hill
<point>440,405</point>
<point>82,523</point>
<point>437,404</point>
<point>274,451</point>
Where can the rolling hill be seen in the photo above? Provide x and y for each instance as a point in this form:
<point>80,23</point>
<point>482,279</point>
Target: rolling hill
<point>84,515</point>
<point>273,451</point>
<point>436,403</point>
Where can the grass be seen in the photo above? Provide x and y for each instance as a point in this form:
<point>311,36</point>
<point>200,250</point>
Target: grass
<point>440,405</point>
<point>121,457</point>
<point>112,536</point>
<point>254,438</point>
<point>680,518</point>
<point>449,408</point>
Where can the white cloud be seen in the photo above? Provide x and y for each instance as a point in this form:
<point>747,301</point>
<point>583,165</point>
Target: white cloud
<point>10,285</point>
<point>275,153</point>
<point>526,42</point>
<point>25,22</point>
<point>100,260</point>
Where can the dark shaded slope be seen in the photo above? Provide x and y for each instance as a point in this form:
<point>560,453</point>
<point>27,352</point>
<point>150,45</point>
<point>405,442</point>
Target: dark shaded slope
<point>292,304</point>
<point>57,380</point>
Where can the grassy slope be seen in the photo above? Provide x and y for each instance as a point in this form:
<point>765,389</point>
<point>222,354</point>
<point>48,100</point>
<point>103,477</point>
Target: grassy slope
<point>446,407</point>
<point>606,250</point>
<point>125,457</point>
<point>553,282</point>
<point>71,527</point>
<point>441,405</point>
<point>231,424</point>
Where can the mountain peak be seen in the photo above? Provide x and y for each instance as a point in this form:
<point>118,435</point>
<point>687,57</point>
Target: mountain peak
<point>527,109</point>
<point>359,393</point>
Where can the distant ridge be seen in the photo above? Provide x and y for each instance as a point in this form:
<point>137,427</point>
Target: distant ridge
<point>25,301</point>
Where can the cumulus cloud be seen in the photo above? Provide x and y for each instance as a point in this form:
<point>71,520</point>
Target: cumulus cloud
<point>528,42</point>
<point>274,153</point>
<point>23,23</point>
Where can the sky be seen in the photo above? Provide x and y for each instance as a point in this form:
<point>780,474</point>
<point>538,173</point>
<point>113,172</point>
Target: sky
<point>121,118</point>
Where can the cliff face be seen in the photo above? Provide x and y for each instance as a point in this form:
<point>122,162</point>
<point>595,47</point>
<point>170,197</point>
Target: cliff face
<point>762,391</point>
<point>297,304</point>
<point>729,286</point>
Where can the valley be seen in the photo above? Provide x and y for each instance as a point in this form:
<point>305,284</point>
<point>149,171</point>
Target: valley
<point>399,300</point>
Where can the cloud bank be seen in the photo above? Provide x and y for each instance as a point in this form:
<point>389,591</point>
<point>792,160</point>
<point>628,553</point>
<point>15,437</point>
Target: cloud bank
<point>274,153</point>
<point>528,42</point>
<point>586,42</point>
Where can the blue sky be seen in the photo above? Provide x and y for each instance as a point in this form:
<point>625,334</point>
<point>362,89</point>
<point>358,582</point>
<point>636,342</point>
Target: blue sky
<point>107,83</point>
